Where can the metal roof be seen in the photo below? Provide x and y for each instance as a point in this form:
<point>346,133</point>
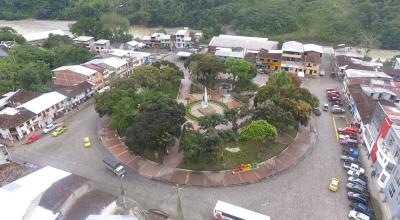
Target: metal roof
<point>248,43</point>
<point>42,35</point>
<point>43,102</point>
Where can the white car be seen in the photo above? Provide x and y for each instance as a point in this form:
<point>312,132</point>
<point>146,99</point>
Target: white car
<point>353,214</point>
<point>49,128</point>
<point>354,167</point>
<point>353,173</point>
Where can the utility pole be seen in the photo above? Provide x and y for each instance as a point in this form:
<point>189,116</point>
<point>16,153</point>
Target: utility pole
<point>123,193</point>
<point>179,205</point>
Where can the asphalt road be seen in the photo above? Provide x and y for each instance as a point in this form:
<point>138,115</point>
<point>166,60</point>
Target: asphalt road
<point>298,193</point>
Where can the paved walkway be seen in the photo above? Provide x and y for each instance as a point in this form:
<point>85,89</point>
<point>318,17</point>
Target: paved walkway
<point>303,143</point>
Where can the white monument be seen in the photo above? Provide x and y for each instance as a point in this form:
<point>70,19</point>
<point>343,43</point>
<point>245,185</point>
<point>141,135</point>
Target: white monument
<point>204,103</point>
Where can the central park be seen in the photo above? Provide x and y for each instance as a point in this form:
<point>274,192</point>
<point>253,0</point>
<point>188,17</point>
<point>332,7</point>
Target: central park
<point>225,122</point>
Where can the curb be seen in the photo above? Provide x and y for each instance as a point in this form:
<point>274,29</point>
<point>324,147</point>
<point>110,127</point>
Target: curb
<point>312,139</point>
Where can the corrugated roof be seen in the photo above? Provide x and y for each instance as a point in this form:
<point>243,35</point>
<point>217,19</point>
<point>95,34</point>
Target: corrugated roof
<point>83,38</point>
<point>11,117</point>
<point>293,46</point>
<point>114,62</point>
<point>78,69</point>
<point>226,52</point>
<point>43,102</point>
<point>313,47</point>
<point>22,96</point>
<point>248,43</point>
<point>102,41</point>
<point>42,35</point>
<point>353,73</point>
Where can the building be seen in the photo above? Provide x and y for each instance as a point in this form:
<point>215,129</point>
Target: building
<point>101,44</point>
<point>312,59</point>
<point>379,79</point>
<point>75,74</point>
<point>160,40</point>
<point>270,60</point>
<point>39,38</point>
<point>87,41</point>
<point>75,94</point>
<point>292,56</point>
<point>147,41</point>
<point>16,123</point>
<point>226,53</point>
<point>49,194</point>
<point>22,96</point>
<point>114,66</point>
<point>397,63</point>
<point>46,107</point>
<point>183,39</point>
<point>4,99</point>
<point>135,58</point>
<point>134,45</point>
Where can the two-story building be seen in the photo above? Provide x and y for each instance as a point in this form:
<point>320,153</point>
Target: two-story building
<point>134,45</point>
<point>115,66</point>
<point>87,41</point>
<point>269,60</point>
<point>75,94</point>
<point>16,123</point>
<point>183,39</point>
<point>312,59</point>
<point>101,44</point>
<point>75,74</point>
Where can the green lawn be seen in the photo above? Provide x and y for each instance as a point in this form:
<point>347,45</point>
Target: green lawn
<point>151,155</point>
<point>251,151</point>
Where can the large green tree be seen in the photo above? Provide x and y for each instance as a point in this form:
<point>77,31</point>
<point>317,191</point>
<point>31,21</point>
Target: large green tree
<point>89,27</point>
<point>205,67</point>
<point>242,70</point>
<point>154,126</point>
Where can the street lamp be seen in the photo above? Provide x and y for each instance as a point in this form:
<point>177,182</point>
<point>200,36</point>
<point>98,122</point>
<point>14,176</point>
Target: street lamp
<point>179,204</point>
<point>123,193</point>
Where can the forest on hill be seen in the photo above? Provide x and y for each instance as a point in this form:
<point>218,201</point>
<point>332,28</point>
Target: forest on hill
<point>372,23</point>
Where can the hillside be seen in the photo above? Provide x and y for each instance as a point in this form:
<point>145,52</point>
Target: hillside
<point>358,22</point>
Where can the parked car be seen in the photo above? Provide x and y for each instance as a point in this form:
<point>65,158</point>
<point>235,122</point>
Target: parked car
<point>86,142</point>
<point>325,107</point>
<point>347,130</point>
<point>354,167</point>
<point>317,112</point>
<point>332,89</point>
<point>337,102</point>
<point>59,131</point>
<point>345,157</point>
<point>357,197</point>
<point>32,138</point>
<point>358,181</point>
<point>359,207</point>
<point>333,186</point>
<point>356,188</point>
<point>357,175</point>
<point>337,110</point>
<point>322,73</point>
<point>358,215</point>
<point>49,128</point>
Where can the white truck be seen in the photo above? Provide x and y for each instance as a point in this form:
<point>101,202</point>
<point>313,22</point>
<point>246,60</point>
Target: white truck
<point>115,166</point>
<point>354,167</point>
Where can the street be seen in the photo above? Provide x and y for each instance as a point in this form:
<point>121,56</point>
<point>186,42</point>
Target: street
<point>298,193</point>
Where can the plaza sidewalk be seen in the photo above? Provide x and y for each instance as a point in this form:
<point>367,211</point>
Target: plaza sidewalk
<point>297,150</point>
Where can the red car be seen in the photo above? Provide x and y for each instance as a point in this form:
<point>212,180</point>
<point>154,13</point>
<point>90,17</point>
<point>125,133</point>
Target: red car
<point>32,138</point>
<point>348,130</point>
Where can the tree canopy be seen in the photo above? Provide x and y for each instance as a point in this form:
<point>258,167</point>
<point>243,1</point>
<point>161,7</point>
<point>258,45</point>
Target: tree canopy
<point>205,67</point>
<point>258,130</point>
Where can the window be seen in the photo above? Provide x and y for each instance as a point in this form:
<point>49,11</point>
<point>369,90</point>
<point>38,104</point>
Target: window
<point>383,178</point>
<point>397,178</point>
<point>315,71</point>
<point>392,190</point>
<point>391,140</point>
<point>390,167</point>
<point>268,60</point>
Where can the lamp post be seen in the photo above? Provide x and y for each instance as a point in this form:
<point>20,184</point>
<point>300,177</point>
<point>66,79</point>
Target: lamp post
<point>123,193</point>
<point>179,205</point>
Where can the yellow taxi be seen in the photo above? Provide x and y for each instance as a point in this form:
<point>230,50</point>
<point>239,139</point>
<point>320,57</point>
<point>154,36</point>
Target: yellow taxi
<point>334,185</point>
<point>86,142</point>
<point>58,131</point>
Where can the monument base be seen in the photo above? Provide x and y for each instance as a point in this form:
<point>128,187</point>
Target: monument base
<point>209,110</point>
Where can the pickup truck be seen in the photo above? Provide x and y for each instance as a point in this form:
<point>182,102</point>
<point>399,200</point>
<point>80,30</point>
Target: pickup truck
<point>115,166</point>
<point>354,167</point>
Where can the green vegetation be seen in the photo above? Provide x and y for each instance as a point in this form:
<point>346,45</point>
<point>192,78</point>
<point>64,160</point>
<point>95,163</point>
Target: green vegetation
<point>29,67</point>
<point>339,21</point>
<point>251,151</point>
<point>258,131</point>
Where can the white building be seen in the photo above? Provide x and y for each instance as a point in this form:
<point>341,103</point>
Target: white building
<point>397,64</point>
<point>183,39</point>
<point>39,38</point>
<point>87,41</point>
<point>47,107</point>
<point>101,44</point>
<point>134,45</point>
<point>115,66</point>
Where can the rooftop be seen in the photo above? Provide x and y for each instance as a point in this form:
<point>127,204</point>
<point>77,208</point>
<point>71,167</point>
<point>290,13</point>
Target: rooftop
<point>365,104</point>
<point>83,38</point>
<point>313,47</point>
<point>114,62</point>
<point>102,41</point>
<point>353,73</point>
<point>146,38</point>
<point>227,52</point>
<point>370,89</point>
<point>42,35</point>
<point>182,32</point>
<point>77,69</point>
<point>43,102</point>
<point>248,43</point>
<point>72,91</point>
<point>132,43</point>
<point>293,46</point>
<point>12,117</point>
<point>22,96</point>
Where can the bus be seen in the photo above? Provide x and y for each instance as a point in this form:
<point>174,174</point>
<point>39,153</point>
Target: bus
<point>226,211</point>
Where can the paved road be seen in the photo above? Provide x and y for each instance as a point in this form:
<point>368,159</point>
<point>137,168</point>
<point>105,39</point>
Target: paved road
<point>299,193</point>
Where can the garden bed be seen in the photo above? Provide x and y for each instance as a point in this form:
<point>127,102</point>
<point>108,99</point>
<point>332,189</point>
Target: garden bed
<point>251,151</point>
